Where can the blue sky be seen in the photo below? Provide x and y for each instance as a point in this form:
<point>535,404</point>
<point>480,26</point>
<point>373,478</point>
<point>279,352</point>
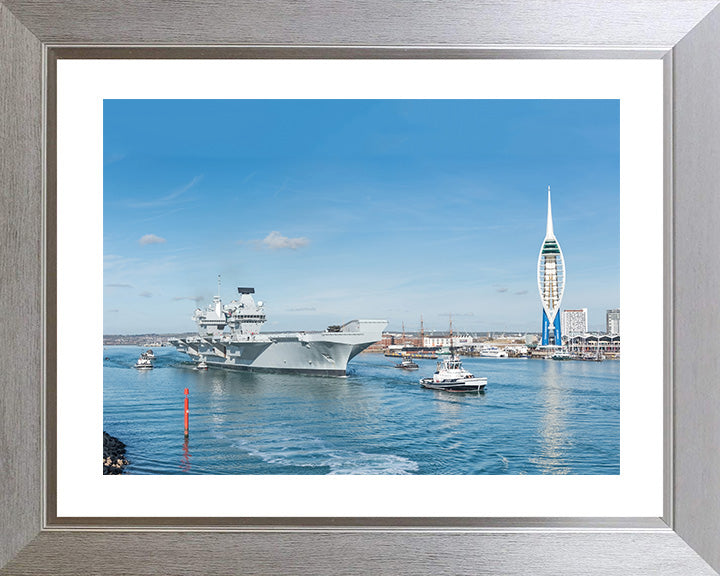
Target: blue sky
<point>342,209</point>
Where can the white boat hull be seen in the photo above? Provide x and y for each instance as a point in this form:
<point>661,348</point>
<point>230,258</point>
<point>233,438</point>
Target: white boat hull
<point>493,354</point>
<point>469,385</point>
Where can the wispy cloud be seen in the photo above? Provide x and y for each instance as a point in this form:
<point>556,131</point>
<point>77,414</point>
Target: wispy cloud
<point>457,315</point>
<point>196,299</point>
<point>117,262</point>
<point>118,285</point>
<point>521,292</point>
<point>112,158</point>
<point>282,188</point>
<point>163,214</point>
<point>171,198</point>
<point>306,309</point>
<point>276,241</point>
<point>501,290</point>
<point>146,294</point>
<point>151,239</point>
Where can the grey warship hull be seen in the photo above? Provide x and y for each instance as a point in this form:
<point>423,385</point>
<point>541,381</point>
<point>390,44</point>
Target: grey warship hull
<point>229,337</point>
<point>321,353</point>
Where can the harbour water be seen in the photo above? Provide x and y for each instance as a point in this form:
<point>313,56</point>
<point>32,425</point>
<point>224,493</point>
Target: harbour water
<point>536,417</point>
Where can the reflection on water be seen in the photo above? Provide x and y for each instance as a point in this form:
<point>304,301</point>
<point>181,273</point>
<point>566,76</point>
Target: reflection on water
<point>535,417</point>
<point>452,405</point>
<point>185,462</point>
<point>553,433</point>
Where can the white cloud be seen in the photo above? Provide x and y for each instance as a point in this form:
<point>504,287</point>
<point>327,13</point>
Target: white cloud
<point>169,199</point>
<point>276,241</point>
<point>146,294</point>
<point>151,239</point>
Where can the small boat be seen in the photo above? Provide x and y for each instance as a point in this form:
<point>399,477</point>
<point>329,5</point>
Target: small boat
<point>202,365</point>
<point>143,363</point>
<point>561,356</point>
<point>450,376</point>
<point>407,364</point>
<point>492,352</point>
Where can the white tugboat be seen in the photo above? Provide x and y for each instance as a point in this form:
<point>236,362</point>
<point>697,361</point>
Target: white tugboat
<point>229,337</point>
<point>450,375</point>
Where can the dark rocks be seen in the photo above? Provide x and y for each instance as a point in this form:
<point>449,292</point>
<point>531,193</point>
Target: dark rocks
<point>114,460</point>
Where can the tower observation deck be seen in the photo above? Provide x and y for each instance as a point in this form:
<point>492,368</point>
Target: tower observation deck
<point>551,282</point>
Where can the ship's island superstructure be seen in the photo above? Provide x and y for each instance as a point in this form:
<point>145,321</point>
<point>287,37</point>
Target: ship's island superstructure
<point>229,337</point>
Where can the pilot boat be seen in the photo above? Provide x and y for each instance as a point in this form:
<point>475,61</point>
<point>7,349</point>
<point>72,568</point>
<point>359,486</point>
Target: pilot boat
<point>144,362</point>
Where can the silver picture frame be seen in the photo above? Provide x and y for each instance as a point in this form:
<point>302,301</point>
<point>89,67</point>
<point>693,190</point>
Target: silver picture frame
<point>685,34</point>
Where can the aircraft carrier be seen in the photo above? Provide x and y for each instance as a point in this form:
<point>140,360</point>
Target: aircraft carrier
<point>229,337</point>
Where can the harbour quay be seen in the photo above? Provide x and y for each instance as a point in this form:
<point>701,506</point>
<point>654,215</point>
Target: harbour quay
<point>587,346</point>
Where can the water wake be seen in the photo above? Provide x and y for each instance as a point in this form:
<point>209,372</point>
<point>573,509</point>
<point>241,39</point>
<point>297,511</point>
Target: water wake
<point>310,452</point>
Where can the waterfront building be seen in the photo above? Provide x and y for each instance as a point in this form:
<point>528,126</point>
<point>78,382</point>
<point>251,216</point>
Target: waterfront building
<point>446,340</point>
<point>613,321</point>
<point>594,346</point>
<point>551,283</point>
<point>574,322</point>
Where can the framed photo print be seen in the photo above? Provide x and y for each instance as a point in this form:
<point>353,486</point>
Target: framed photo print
<point>321,286</point>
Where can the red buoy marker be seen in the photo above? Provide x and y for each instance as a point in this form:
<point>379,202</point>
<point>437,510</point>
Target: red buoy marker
<point>187,414</point>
